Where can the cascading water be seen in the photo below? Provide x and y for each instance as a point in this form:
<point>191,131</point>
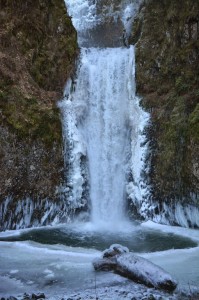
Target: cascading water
<point>105,128</point>
<point>102,120</point>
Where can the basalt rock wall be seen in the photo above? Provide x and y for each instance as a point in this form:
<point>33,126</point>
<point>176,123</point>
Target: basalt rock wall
<point>166,35</point>
<point>38,49</point>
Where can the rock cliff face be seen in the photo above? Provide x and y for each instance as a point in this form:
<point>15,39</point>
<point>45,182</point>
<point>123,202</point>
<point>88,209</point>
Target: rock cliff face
<point>38,49</point>
<point>166,34</point>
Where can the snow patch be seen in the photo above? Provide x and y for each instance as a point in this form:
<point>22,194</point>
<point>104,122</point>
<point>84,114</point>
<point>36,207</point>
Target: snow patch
<point>190,233</point>
<point>14,271</point>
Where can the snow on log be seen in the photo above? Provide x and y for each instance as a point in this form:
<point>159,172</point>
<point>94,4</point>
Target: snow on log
<point>118,259</point>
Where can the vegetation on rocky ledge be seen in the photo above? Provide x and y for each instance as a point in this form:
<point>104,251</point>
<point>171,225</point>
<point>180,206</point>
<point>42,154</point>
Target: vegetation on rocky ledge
<point>166,34</point>
<point>38,48</point>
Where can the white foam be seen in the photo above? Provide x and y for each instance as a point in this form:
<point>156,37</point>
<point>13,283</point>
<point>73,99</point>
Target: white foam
<point>83,14</point>
<point>105,227</point>
<point>14,271</point>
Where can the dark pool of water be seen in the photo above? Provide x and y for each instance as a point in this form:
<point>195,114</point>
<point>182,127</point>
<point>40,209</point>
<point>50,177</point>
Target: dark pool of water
<point>137,239</point>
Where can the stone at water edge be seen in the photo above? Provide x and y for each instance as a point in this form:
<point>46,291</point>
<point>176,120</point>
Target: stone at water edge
<point>104,264</point>
<point>108,262</point>
<point>34,296</point>
<point>114,249</point>
<point>118,259</point>
<point>38,296</point>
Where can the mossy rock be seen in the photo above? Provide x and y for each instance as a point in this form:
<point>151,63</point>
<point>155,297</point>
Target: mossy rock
<point>39,47</point>
<point>38,53</point>
<point>167,73</point>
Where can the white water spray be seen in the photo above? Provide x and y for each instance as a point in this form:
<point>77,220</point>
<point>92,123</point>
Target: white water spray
<point>101,114</point>
<point>106,127</point>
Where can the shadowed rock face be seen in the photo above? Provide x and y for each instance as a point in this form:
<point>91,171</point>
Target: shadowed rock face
<point>166,34</point>
<point>38,49</point>
<point>108,34</point>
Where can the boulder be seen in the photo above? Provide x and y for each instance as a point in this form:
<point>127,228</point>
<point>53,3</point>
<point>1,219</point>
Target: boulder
<point>38,296</point>
<point>114,250</point>
<point>118,259</point>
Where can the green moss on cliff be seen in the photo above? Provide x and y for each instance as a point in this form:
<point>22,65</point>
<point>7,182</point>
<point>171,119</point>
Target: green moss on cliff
<point>38,50</point>
<point>167,54</point>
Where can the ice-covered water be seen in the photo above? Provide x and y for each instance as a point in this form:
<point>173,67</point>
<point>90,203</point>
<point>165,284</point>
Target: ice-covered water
<point>85,235</point>
<point>59,270</point>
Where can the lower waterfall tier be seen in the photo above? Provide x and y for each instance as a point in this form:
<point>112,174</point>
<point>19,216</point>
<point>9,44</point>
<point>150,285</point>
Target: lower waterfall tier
<point>102,121</point>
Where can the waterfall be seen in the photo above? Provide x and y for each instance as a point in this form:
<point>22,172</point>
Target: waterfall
<point>102,121</point>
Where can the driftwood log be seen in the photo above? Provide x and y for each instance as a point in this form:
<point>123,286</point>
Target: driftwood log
<point>118,259</point>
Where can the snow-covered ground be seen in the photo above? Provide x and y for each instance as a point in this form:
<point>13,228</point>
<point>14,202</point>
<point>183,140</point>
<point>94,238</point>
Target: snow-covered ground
<point>183,264</point>
<point>61,272</point>
<point>67,272</point>
<point>186,232</point>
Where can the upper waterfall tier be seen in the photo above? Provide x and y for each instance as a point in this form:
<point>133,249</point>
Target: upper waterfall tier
<point>100,23</point>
